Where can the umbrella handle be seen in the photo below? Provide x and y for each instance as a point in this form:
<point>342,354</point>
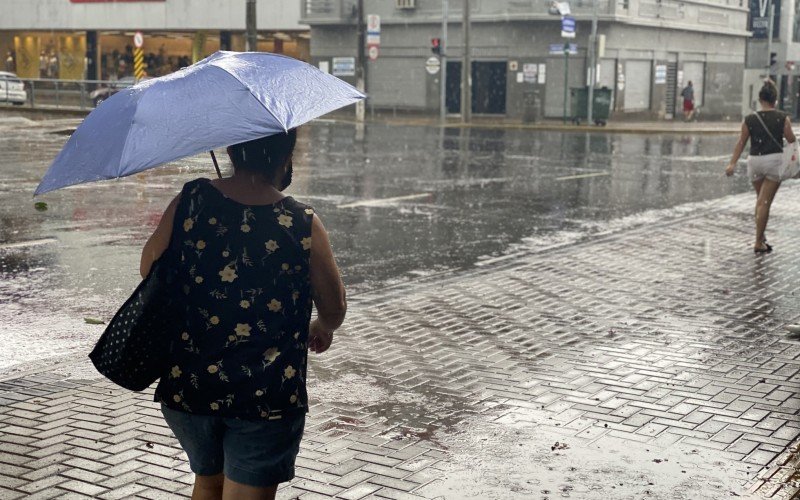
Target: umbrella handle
<point>216,165</point>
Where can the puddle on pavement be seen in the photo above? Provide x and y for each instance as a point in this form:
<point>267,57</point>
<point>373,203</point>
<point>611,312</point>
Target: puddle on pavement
<point>491,460</point>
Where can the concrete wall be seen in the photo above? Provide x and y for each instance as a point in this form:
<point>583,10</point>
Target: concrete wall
<point>721,16</point>
<point>398,80</point>
<point>167,15</point>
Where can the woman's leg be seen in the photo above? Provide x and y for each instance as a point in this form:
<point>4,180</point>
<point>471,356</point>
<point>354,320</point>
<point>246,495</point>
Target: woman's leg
<point>757,186</point>
<point>764,201</point>
<point>208,487</point>
<point>238,491</point>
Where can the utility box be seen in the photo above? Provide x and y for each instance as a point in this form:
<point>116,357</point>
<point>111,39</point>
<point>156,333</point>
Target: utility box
<point>580,105</point>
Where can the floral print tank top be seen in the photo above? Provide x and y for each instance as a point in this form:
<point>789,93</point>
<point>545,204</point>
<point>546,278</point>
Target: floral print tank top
<point>245,272</point>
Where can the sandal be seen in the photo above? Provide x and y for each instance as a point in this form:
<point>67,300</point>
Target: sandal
<point>768,249</point>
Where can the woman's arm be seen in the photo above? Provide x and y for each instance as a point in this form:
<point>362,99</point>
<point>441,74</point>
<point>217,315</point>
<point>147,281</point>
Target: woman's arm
<point>788,132</point>
<point>159,240</point>
<point>737,151</point>
<point>327,289</point>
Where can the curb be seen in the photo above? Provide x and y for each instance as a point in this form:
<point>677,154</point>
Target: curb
<point>648,128</point>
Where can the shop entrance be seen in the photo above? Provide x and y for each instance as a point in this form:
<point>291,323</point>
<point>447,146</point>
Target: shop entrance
<point>488,87</point>
<point>453,87</point>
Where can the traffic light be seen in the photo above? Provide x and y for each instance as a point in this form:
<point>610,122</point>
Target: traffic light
<point>436,46</point>
<point>773,58</point>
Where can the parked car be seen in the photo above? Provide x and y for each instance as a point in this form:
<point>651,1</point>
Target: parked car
<point>106,91</point>
<point>12,89</point>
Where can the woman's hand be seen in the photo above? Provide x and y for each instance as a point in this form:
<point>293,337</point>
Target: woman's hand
<point>744,136</point>
<point>319,338</point>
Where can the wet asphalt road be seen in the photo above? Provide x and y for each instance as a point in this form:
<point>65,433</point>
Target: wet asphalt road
<point>399,202</point>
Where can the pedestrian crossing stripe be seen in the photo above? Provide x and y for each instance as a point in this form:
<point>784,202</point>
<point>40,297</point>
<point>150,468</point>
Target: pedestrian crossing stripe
<point>138,63</point>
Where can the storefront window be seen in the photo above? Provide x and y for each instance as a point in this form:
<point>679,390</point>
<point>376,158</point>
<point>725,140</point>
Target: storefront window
<point>50,55</point>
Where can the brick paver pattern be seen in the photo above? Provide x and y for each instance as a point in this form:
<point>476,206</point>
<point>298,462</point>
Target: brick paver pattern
<point>666,334</point>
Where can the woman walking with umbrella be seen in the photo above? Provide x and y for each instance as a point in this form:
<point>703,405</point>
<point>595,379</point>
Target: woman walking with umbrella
<point>243,263</point>
<point>251,260</point>
<point>765,129</point>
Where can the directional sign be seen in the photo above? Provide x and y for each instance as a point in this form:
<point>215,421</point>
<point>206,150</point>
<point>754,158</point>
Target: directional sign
<point>568,27</point>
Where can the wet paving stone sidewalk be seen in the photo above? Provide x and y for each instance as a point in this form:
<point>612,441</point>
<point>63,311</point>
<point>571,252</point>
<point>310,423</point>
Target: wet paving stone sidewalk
<point>651,363</point>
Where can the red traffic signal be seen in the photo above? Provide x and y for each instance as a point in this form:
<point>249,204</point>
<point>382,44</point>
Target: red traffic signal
<point>436,46</point>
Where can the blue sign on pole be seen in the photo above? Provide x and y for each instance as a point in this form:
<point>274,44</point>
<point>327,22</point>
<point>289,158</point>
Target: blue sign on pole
<point>568,27</point>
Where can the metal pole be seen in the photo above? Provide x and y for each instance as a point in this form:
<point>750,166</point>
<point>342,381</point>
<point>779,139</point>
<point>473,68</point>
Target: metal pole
<point>566,79</point>
<point>443,52</point>
<point>769,36</point>
<point>361,76</point>
<point>593,64</point>
<point>250,22</point>
<point>466,70</point>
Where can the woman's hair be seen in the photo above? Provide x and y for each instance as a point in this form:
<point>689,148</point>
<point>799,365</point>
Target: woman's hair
<point>264,155</point>
<point>768,93</point>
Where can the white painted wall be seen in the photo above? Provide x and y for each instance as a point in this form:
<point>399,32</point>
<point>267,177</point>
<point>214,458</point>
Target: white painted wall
<point>167,15</point>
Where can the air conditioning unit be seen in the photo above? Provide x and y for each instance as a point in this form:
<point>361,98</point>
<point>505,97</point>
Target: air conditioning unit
<point>405,4</point>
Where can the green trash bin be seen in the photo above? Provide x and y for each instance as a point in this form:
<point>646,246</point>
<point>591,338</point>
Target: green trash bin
<point>580,110</point>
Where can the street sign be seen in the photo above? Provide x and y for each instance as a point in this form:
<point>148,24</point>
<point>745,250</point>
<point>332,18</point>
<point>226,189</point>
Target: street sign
<point>559,8</point>
<point>559,49</point>
<point>374,24</point>
<point>433,65</point>
<point>344,66</point>
<point>568,27</point>
<point>373,36</point>
<point>138,40</point>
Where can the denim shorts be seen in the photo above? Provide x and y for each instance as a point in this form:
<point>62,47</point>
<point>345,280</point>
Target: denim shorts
<point>257,453</point>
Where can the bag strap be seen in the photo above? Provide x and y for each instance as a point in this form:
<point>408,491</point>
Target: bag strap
<point>768,132</point>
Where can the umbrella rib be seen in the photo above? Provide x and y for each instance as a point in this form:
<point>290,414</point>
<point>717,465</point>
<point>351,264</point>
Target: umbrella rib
<point>254,96</point>
<point>118,171</point>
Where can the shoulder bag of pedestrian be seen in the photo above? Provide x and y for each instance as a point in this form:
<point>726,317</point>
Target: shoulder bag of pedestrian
<point>134,350</point>
<point>791,158</point>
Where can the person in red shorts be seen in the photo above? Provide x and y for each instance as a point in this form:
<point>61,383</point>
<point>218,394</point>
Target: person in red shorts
<point>688,101</point>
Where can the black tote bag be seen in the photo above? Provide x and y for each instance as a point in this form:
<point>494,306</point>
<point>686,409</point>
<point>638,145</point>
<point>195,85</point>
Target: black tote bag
<point>134,350</point>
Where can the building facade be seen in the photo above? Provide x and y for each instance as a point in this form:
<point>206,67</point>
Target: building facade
<point>652,49</point>
<point>780,60</point>
<point>93,39</point>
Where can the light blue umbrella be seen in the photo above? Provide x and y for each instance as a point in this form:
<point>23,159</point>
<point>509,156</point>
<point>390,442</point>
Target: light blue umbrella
<point>227,98</point>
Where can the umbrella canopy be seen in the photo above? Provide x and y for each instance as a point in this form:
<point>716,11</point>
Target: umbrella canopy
<point>227,98</point>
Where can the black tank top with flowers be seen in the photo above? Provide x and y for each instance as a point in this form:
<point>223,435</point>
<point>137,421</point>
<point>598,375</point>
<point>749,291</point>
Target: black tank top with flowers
<point>245,272</point>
